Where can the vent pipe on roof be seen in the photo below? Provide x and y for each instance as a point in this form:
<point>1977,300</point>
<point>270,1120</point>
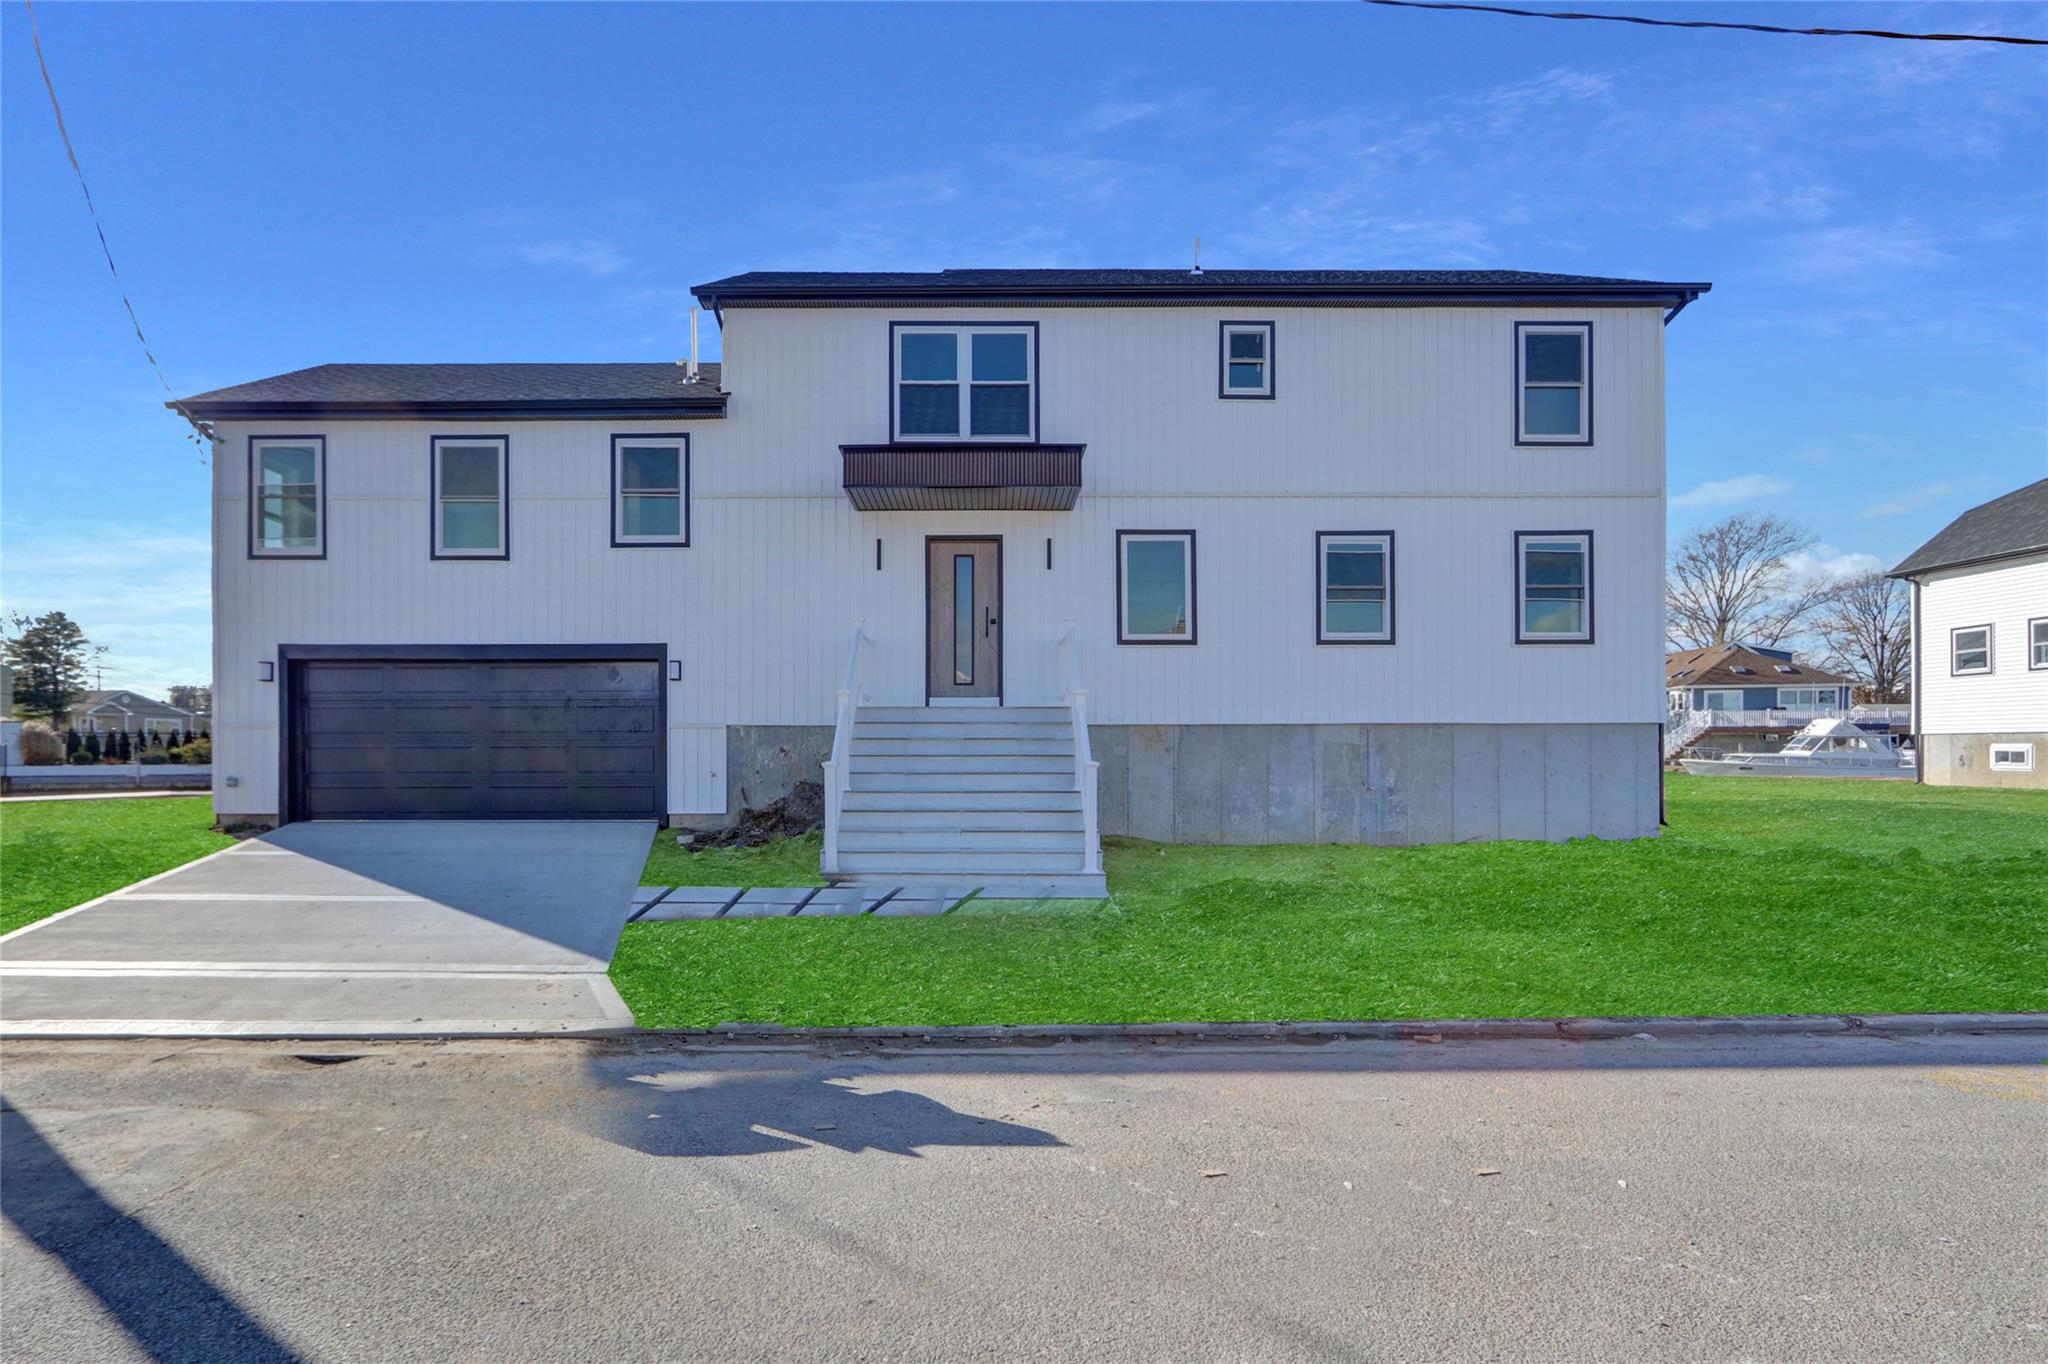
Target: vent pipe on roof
<point>1198,257</point>
<point>691,370</point>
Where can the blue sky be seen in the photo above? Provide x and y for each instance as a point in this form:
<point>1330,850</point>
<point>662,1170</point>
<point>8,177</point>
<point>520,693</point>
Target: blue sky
<point>286,185</point>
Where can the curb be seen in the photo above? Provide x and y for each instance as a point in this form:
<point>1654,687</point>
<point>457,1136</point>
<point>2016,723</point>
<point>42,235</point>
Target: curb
<point>1421,1031</point>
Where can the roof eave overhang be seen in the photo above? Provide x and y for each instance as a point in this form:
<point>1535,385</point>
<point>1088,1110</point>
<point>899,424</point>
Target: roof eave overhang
<point>1910,570</point>
<point>665,409</point>
<point>1670,297</point>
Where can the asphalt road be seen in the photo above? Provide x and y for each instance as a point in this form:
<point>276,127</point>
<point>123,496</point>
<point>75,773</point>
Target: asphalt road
<point>1855,1199</point>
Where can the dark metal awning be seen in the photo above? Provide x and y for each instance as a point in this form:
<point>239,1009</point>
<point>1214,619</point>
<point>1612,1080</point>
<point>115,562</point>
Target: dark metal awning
<point>954,477</point>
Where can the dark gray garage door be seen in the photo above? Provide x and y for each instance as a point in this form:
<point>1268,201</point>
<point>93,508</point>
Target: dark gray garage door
<point>413,739</point>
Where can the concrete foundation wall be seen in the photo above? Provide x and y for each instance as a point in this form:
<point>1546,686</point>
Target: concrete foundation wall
<point>1965,760</point>
<point>1380,784</point>
<point>763,763</point>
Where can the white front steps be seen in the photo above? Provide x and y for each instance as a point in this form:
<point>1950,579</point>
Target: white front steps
<point>984,798</point>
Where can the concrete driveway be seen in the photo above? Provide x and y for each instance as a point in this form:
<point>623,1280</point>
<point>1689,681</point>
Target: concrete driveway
<point>344,929</point>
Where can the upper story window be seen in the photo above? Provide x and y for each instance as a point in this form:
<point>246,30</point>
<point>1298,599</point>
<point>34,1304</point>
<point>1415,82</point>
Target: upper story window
<point>1969,650</point>
<point>288,497</point>
<point>1155,587</point>
<point>469,497</point>
<point>1553,383</point>
<point>1354,587</point>
<point>651,490</point>
<point>2037,642</point>
<point>974,381</point>
<point>1247,360</point>
<point>1553,587</point>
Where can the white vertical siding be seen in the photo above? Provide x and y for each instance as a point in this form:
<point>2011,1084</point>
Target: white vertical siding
<point>1385,419</point>
<point>2009,699</point>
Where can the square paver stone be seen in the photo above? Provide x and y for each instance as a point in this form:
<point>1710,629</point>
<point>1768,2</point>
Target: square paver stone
<point>920,904</point>
<point>647,895</point>
<point>841,901</point>
<point>692,902</point>
<point>771,902</point>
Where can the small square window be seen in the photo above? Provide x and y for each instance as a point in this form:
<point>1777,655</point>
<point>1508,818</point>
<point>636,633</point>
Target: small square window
<point>650,490</point>
<point>1246,360</point>
<point>288,497</point>
<point>1554,587</point>
<point>1969,650</point>
<point>1354,587</point>
<point>1553,383</point>
<point>1155,587</point>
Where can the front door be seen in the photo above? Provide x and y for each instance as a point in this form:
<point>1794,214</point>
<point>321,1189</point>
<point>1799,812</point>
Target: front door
<point>964,629</point>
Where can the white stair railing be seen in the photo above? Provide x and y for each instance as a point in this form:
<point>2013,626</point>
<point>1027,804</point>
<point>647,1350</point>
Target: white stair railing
<point>1086,770</point>
<point>842,743</point>
<point>1688,726</point>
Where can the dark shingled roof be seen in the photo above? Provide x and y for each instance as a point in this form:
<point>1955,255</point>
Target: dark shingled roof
<point>1715,667</point>
<point>624,389</point>
<point>2014,524</point>
<point>1180,284</point>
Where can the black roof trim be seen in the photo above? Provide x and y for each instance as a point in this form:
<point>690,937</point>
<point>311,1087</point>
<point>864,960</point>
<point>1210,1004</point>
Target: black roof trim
<point>2002,528</point>
<point>1180,286</point>
<point>531,411</point>
<point>656,389</point>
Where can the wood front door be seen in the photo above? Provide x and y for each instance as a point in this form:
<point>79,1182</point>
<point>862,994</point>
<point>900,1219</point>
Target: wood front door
<point>963,626</point>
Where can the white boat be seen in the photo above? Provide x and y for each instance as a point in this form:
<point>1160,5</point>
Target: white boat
<point>1829,747</point>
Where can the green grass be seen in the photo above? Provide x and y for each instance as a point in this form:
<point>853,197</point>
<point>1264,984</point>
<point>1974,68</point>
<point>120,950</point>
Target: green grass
<point>1763,896</point>
<point>786,862</point>
<point>58,853</point>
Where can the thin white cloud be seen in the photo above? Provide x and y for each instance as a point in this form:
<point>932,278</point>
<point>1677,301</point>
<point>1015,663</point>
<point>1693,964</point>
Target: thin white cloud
<point>1879,252</point>
<point>1912,500</point>
<point>1728,492</point>
<point>594,256</point>
<point>147,597</point>
<point>1829,564</point>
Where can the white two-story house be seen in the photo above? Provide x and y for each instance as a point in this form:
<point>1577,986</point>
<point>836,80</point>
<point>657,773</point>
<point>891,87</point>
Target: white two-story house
<point>1980,644</point>
<point>1007,559</point>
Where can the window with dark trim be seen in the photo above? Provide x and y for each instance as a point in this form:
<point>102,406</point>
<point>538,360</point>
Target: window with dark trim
<point>288,497</point>
<point>963,381</point>
<point>1155,587</point>
<point>2037,643</point>
<point>1969,650</point>
<point>1553,383</point>
<point>1245,360</point>
<point>651,490</point>
<point>470,476</point>
<point>1354,587</point>
<point>1553,587</point>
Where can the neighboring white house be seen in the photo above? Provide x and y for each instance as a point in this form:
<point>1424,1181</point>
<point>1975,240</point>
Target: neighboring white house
<point>1980,644</point>
<point>1335,556</point>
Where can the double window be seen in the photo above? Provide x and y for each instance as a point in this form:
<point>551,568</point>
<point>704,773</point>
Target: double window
<point>469,497</point>
<point>1969,650</point>
<point>1354,587</point>
<point>288,497</point>
<point>976,381</point>
<point>2012,757</point>
<point>1553,383</point>
<point>1553,587</point>
<point>1245,361</point>
<point>651,490</point>
<point>1155,587</point>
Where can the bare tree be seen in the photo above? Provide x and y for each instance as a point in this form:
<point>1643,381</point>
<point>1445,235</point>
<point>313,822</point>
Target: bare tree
<point>1732,583</point>
<point>1868,630</point>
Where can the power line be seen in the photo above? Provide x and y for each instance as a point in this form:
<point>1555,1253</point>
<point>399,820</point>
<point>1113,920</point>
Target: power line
<point>1711,23</point>
<point>36,35</point>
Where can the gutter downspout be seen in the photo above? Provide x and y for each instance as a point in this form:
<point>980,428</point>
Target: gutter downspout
<point>1919,748</point>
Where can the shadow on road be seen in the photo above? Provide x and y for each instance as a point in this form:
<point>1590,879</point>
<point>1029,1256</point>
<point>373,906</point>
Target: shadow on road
<point>744,1114</point>
<point>171,1309</point>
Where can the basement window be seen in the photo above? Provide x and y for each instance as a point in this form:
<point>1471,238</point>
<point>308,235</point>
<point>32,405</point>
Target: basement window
<point>2012,757</point>
<point>964,383</point>
<point>1553,587</point>
<point>1246,360</point>
<point>1969,650</point>
<point>650,490</point>
<point>469,497</point>
<point>1553,383</point>
<point>288,497</point>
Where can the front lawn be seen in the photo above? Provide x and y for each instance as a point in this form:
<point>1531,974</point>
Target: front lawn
<point>1765,895</point>
<point>58,853</point>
